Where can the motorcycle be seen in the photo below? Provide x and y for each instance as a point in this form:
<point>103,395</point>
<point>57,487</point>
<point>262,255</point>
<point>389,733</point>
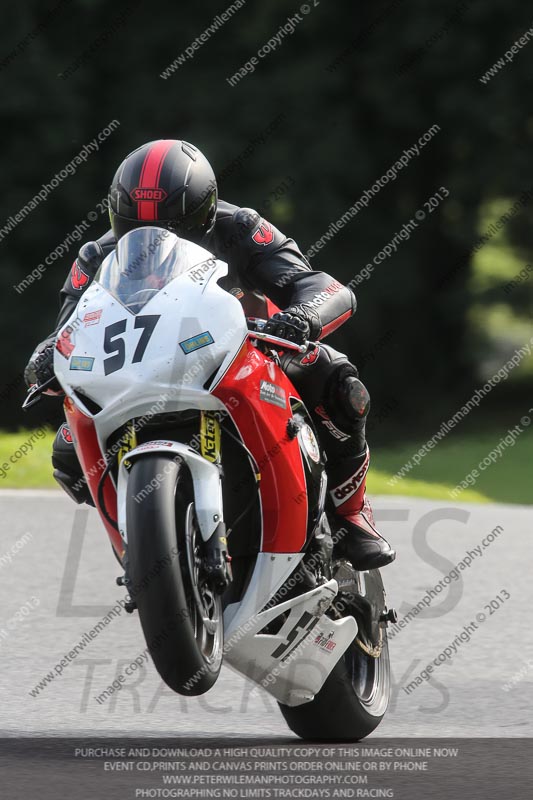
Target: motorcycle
<point>204,466</point>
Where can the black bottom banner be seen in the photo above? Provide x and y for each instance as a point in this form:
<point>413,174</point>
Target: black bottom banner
<point>130,768</point>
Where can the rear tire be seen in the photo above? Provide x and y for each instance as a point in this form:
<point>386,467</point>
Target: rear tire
<point>354,698</point>
<point>181,616</point>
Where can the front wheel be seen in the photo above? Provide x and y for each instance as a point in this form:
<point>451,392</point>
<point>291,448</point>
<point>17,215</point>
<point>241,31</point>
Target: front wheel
<point>355,696</point>
<point>180,613</point>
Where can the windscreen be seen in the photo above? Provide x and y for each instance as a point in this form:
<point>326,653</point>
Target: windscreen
<point>145,261</point>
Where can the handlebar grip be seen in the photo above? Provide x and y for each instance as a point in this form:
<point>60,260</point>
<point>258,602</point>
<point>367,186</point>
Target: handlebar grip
<point>275,340</point>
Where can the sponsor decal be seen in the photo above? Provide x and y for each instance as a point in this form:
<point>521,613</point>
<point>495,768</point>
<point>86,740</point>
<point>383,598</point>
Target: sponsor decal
<point>83,363</point>
<point>310,357</point>
<point>78,277</point>
<point>272,393</point>
<point>64,344</point>
<point>210,437</point>
<point>198,273</point>
<point>347,489</point>
<point>310,443</point>
<point>128,441</point>
<point>92,317</point>
<point>139,194</point>
<point>196,342</point>
<point>327,423</point>
<point>264,234</point>
<point>325,642</point>
<point>66,434</point>
<point>297,634</point>
<point>155,444</point>
<point>320,297</point>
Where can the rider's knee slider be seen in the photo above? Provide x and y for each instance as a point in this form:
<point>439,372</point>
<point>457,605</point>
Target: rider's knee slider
<point>348,400</point>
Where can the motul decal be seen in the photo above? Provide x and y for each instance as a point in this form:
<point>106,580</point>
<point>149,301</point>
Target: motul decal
<point>140,193</point>
<point>264,234</point>
<point>66,434</point>
<point>78,277</point>
<point>310,357</point>
<point>341,493</point>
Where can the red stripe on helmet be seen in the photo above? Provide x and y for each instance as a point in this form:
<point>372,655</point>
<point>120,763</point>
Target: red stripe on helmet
<point>150,174</point>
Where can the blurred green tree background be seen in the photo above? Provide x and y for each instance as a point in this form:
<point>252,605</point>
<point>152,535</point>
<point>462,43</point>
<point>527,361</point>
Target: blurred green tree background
<point>331,109</point>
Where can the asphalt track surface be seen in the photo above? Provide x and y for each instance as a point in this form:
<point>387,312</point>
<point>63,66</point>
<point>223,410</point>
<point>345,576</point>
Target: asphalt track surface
<point>62,573</point>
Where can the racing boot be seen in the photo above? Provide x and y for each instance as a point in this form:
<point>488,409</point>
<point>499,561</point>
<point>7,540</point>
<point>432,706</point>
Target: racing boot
<point>355,533</point>
<point>67,469</point>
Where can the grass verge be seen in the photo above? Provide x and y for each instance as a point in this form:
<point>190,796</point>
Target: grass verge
<point>508,480</point>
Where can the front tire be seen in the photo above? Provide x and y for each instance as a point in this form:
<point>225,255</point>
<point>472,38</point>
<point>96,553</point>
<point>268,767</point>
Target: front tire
<point>354,698</point>
<point>181,615</point>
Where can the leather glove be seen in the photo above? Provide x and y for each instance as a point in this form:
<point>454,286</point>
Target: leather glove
<point>40,367</point>
<point>288,326</point>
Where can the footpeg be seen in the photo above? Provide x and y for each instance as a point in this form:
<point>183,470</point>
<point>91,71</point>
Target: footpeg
<point>390,615</point>
<point>130,606</point>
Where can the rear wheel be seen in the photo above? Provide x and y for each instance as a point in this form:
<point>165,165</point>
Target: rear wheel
<point>180,613</point>
<point>354,698</point>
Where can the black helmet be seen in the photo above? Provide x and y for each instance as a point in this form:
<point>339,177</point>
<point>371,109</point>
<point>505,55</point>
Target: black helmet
<point>168,183</point>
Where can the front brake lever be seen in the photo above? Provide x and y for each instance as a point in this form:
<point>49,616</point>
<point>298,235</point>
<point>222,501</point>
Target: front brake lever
<point>35,393</point>
<point>278,342</point>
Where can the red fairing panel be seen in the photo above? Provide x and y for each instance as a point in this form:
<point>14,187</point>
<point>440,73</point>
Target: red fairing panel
<point>92,462</point>
<point>263,391</point>
<point>272,308</point>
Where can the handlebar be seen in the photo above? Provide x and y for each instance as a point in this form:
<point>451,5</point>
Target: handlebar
<point>285,344</point>
<point>35,393</point>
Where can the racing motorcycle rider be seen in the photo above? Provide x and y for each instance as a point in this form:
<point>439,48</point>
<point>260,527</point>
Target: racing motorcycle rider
<point>170,183</point>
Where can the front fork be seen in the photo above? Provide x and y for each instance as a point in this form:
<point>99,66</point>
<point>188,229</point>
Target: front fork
<point>217,562</point>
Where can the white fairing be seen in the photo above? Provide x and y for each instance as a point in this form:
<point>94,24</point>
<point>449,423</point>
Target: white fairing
<point>166,378</point>
<point>293,664</point>
<point>147,335</point>
<point>206,480</point>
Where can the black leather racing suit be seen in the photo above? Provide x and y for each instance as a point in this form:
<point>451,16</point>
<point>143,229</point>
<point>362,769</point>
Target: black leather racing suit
<point>263,261</point>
